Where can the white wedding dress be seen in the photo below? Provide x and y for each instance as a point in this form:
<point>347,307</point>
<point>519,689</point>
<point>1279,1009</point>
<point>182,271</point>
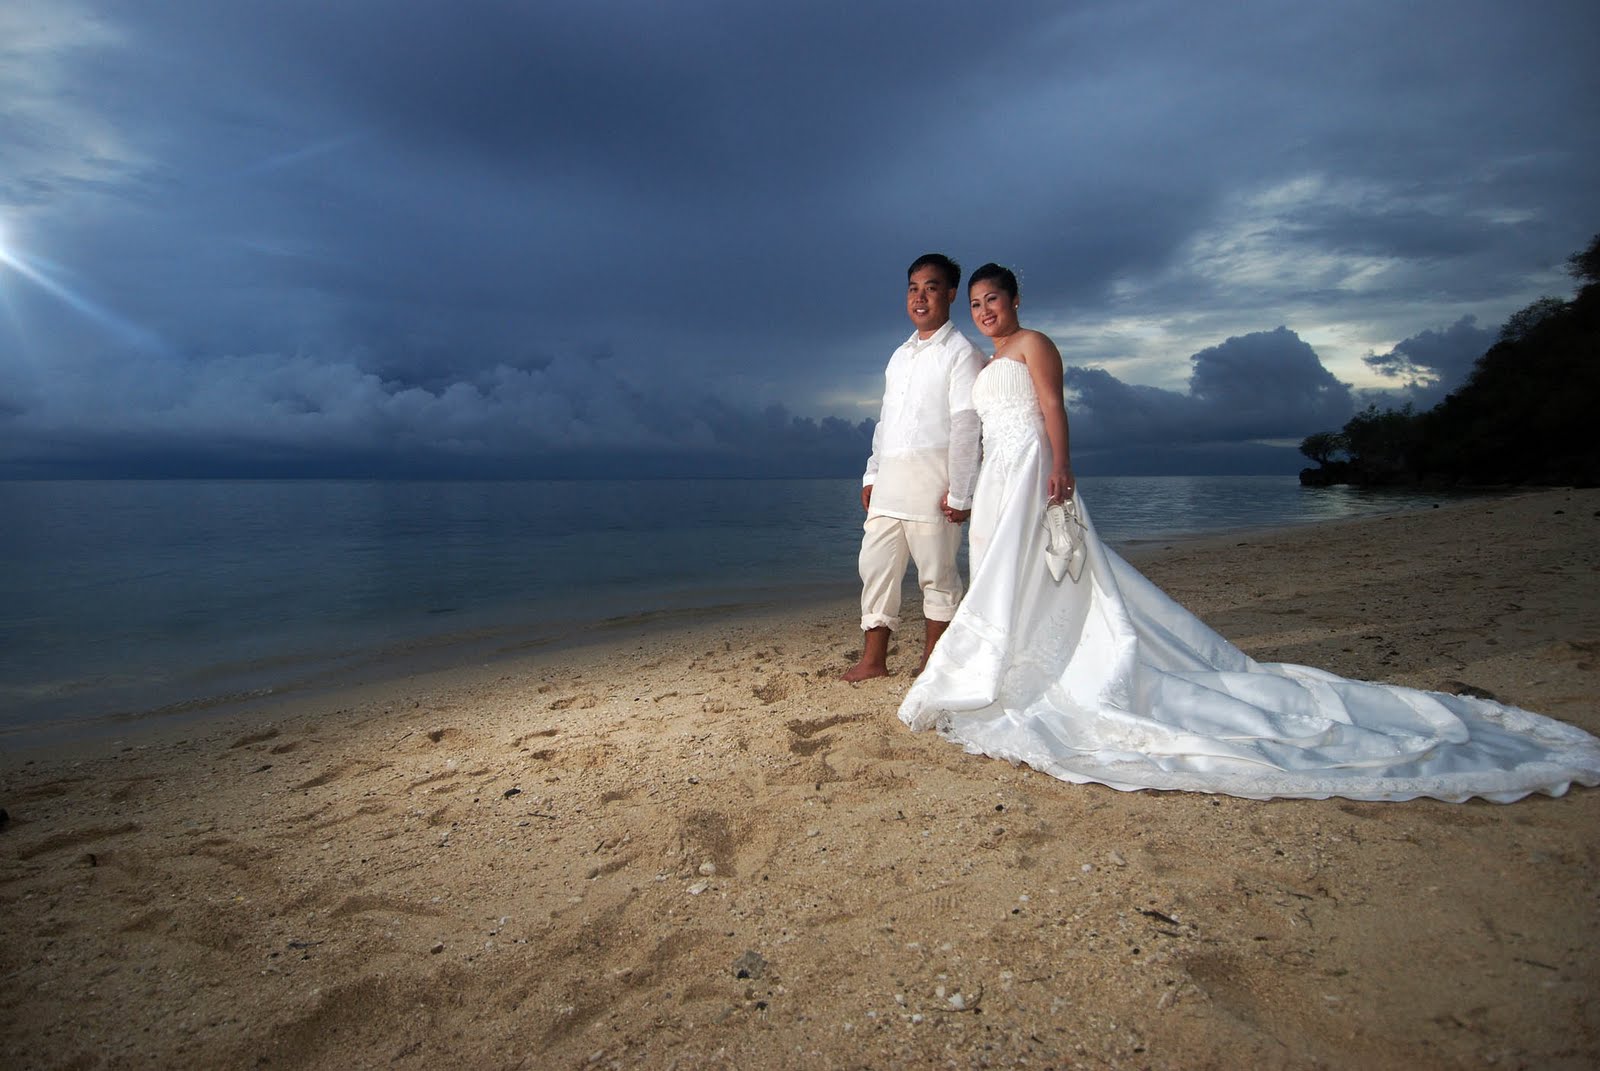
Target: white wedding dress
<point>1108,680</point>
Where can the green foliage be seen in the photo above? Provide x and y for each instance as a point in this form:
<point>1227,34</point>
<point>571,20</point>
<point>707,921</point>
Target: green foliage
<point>1323,445</point>
<point>1585,266</point>
<point>1382,445</point>
<point>1527,413</point>
<point>1526,319</point>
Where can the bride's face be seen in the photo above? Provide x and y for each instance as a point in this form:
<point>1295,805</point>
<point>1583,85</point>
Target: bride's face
<point>994,312</point>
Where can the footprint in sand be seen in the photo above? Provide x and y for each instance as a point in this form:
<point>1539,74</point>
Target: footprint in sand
<point>706,837</point>
<point>808,727</point>
<point>772,690</point>
<point>810,745</point>
<point>333,773</point>
<point>228,852</point>
<point>147,922</point>
<point>525,737</point>
<point>254,738</point>
<point>74,838</point>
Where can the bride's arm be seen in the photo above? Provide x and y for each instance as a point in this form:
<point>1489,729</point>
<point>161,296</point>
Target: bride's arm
<point>1044,366</point>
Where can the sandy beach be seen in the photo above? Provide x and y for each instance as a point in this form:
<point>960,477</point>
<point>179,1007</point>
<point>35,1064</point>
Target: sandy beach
<point>691,845</point>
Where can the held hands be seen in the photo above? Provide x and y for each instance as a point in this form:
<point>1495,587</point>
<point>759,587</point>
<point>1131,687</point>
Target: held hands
<point>954,516</point>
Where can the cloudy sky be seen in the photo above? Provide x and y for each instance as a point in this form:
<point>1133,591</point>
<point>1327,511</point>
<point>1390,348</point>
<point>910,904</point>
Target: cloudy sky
<point>399,237</point>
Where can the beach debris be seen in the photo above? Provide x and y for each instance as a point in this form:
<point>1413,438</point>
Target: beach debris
<point>749,965</point>
<point>1116,858</point>
<point>699,887</point>
<point>508,793</point>
<point>436,734</point>
<point>438,946</point>
<point>708,869</point>
<point>1455,687</point>
<point>1162,916</point>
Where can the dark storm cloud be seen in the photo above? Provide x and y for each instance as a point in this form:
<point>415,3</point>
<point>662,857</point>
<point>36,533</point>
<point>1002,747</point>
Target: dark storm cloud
<point>514,231</point>
<point>271,414</point>
<point>1263,386</point>
<point>1431,364</point>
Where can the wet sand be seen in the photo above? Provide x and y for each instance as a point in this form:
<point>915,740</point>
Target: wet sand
<point>693,846</point>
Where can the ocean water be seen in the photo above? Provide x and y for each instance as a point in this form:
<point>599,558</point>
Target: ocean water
<point>126,598</point>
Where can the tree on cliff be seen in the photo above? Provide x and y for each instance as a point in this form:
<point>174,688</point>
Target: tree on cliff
<point>1382,444</point>
<point>1323,445</point>
<point>1526,414</point>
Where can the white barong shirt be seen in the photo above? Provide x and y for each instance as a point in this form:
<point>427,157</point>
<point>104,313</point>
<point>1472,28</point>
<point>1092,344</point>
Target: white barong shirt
<point>914,458</point>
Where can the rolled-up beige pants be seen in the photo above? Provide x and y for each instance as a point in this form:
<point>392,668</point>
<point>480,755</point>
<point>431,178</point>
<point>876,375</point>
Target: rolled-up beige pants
<point>886,546</point>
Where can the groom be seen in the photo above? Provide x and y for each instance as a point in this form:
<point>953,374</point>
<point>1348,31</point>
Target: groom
<point>918,485</point>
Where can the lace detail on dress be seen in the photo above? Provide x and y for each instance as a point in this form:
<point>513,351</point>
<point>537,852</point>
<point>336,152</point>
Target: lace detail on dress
<point>1009,410</point>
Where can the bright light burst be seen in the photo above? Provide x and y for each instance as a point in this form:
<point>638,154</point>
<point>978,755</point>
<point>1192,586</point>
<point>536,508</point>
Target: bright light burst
<point>31,270</point>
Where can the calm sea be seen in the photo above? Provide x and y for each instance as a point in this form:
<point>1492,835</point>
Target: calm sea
<point>128,597</point>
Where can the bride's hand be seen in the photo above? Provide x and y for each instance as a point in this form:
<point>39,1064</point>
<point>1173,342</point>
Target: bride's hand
<point>1061,486</point>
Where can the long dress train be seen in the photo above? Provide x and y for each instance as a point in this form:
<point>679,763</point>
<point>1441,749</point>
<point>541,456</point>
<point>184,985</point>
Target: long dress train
<point>1108,680</point>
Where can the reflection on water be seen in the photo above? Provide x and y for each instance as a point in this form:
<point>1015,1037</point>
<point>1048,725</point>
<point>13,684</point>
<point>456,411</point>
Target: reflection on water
<point>1127,508</point>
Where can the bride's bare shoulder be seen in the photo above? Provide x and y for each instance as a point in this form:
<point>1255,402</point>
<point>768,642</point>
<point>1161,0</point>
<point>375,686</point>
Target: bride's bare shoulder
<point>1039,342</point>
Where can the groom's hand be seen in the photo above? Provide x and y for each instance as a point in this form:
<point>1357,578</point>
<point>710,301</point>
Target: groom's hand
<point>954,516</point>
<point>866,498</point>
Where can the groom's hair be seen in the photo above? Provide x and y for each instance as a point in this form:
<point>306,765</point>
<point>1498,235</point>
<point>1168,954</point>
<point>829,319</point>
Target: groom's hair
<point>1002,277</point>
<point>947,267</point>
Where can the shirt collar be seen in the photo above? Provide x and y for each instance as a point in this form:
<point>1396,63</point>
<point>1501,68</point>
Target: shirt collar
<point>934,339</point>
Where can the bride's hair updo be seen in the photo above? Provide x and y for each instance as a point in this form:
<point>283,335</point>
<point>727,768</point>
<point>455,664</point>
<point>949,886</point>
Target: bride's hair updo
<point>1001,277</point>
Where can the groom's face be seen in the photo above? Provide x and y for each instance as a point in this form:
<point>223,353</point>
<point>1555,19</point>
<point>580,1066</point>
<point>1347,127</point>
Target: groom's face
<point>928,300</point>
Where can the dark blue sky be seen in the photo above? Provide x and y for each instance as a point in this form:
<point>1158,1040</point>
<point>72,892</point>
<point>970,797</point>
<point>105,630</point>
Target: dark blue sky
<point>412,238</point>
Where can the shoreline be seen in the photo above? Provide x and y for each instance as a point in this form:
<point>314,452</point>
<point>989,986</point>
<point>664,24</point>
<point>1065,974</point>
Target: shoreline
<point>244,688</point>
<point>363,668</point>
<point>694,846</point>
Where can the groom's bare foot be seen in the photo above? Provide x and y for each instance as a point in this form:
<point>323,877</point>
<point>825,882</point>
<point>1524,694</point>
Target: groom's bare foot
<point>864,670</point>
<point>874,656</point>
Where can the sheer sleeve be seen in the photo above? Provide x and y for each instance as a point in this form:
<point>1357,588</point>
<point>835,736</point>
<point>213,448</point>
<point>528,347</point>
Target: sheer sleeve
<point>965,450</point>
<point>869,477</point>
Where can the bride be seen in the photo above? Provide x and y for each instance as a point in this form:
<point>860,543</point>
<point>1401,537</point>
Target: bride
<point>1103,678</point>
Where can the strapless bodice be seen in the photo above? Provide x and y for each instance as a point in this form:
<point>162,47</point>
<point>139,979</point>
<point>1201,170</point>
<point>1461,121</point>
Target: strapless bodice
<point>1006,404</point>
